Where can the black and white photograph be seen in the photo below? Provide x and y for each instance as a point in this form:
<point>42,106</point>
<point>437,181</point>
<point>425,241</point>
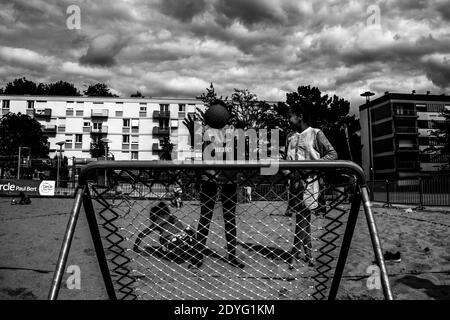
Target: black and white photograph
<point>248,152</point>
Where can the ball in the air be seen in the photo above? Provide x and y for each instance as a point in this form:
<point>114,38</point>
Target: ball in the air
<point>217,116</point>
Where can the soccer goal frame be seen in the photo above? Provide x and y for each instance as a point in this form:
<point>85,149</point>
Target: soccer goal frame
<point>90,188</point>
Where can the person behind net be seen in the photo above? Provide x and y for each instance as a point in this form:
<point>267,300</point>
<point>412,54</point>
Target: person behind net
<point>210,183</point>
<point>24,199</point>
<point>305,143</point>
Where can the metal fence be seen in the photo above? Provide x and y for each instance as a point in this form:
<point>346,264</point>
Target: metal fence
<point>425,191</point>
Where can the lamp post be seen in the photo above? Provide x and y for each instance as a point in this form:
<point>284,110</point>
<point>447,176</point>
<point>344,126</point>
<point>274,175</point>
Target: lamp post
<point>106,141</point>
<point>60,144</point>
<point>19,163</point>
<point>368,94</point>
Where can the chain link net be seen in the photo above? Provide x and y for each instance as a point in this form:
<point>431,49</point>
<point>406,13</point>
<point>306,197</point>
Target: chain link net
<point>222,234</point>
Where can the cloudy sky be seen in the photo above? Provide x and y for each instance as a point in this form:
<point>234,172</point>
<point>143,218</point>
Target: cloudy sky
<point>177,47</point>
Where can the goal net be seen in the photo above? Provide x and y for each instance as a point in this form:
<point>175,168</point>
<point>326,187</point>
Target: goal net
<point>191,230</point>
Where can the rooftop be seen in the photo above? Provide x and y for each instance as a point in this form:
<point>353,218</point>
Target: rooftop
<point>408,97</point>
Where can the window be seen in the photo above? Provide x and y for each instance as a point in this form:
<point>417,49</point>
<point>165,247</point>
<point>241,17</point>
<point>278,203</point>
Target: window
<point>134,139</point>
<point>126,138</point>
<point>78,138</point>
<point>382,129</point>
<point>435,107</point>
<point>381,112</point>
<point>135,123</point>
<point>5,104</point>
<point>86,124</point>
<point>97,125</point>
<point>142,109</point>
<point>421,107</point>
<point>126,123</point>
<point>134,155</point>
<point>68,141</point>
<point>163,107</point>
<point>422,124</point>
<point>69,112</point>
<point>30,104</point>
<point>181,107</point>
<point>163,123</point>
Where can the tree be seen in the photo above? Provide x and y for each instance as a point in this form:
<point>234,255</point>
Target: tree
<point>98,149</point>
<point>137,95</point>
<point>21,86</point>
<point>61,88</point>
<point>167,148</point>
<point>249,112</point>
<point>21,130</point>
<point>99,90</point>
<point>330,114</point>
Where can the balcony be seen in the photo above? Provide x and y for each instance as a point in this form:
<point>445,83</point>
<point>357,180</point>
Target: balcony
<point>406,130</point>
<point>103,129</point>
<point>160,131</point>
<point>99,113</point>
<point>43,113</point>
<point>49,129</point>
<point>407,148</point>
<point>408,165</point>
<point>161,114</point>
<point>156,147</point>
<point>405,113</point>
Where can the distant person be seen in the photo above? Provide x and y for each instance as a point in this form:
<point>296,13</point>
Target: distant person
<point>24,199</point>
<point>306,143</point>
<point>248,193</point>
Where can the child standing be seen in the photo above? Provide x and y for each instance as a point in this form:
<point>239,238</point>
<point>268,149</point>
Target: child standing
<point>306,143</point>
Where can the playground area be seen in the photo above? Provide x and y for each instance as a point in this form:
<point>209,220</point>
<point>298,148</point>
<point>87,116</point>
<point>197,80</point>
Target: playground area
<point>31,237</point>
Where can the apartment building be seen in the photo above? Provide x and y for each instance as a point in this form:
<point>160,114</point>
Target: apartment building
<point>134,127</point>
<point>395,131</point>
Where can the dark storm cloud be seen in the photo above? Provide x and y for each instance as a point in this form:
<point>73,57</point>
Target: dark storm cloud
<point>257,13</point>
<point>103,50</point>
<point>438,71</point>
<point>183,10</point>
<point>177,47</point>
<point>444,10</point>
<point>248,12</point>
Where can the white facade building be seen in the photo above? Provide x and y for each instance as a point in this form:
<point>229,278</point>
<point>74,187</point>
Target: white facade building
<point>134,127</point>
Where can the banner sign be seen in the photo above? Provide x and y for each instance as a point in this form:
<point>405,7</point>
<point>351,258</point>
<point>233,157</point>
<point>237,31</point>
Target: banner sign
<point>29,187</point>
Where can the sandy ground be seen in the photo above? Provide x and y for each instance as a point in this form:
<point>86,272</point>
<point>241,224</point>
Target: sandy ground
<point>31,238</point>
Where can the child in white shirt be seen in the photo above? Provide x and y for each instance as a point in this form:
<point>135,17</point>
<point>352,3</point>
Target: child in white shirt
<point>306,143</point>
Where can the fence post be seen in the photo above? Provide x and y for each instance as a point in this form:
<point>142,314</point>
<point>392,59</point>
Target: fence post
<point>421,207</point>
<point>388,204</point>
